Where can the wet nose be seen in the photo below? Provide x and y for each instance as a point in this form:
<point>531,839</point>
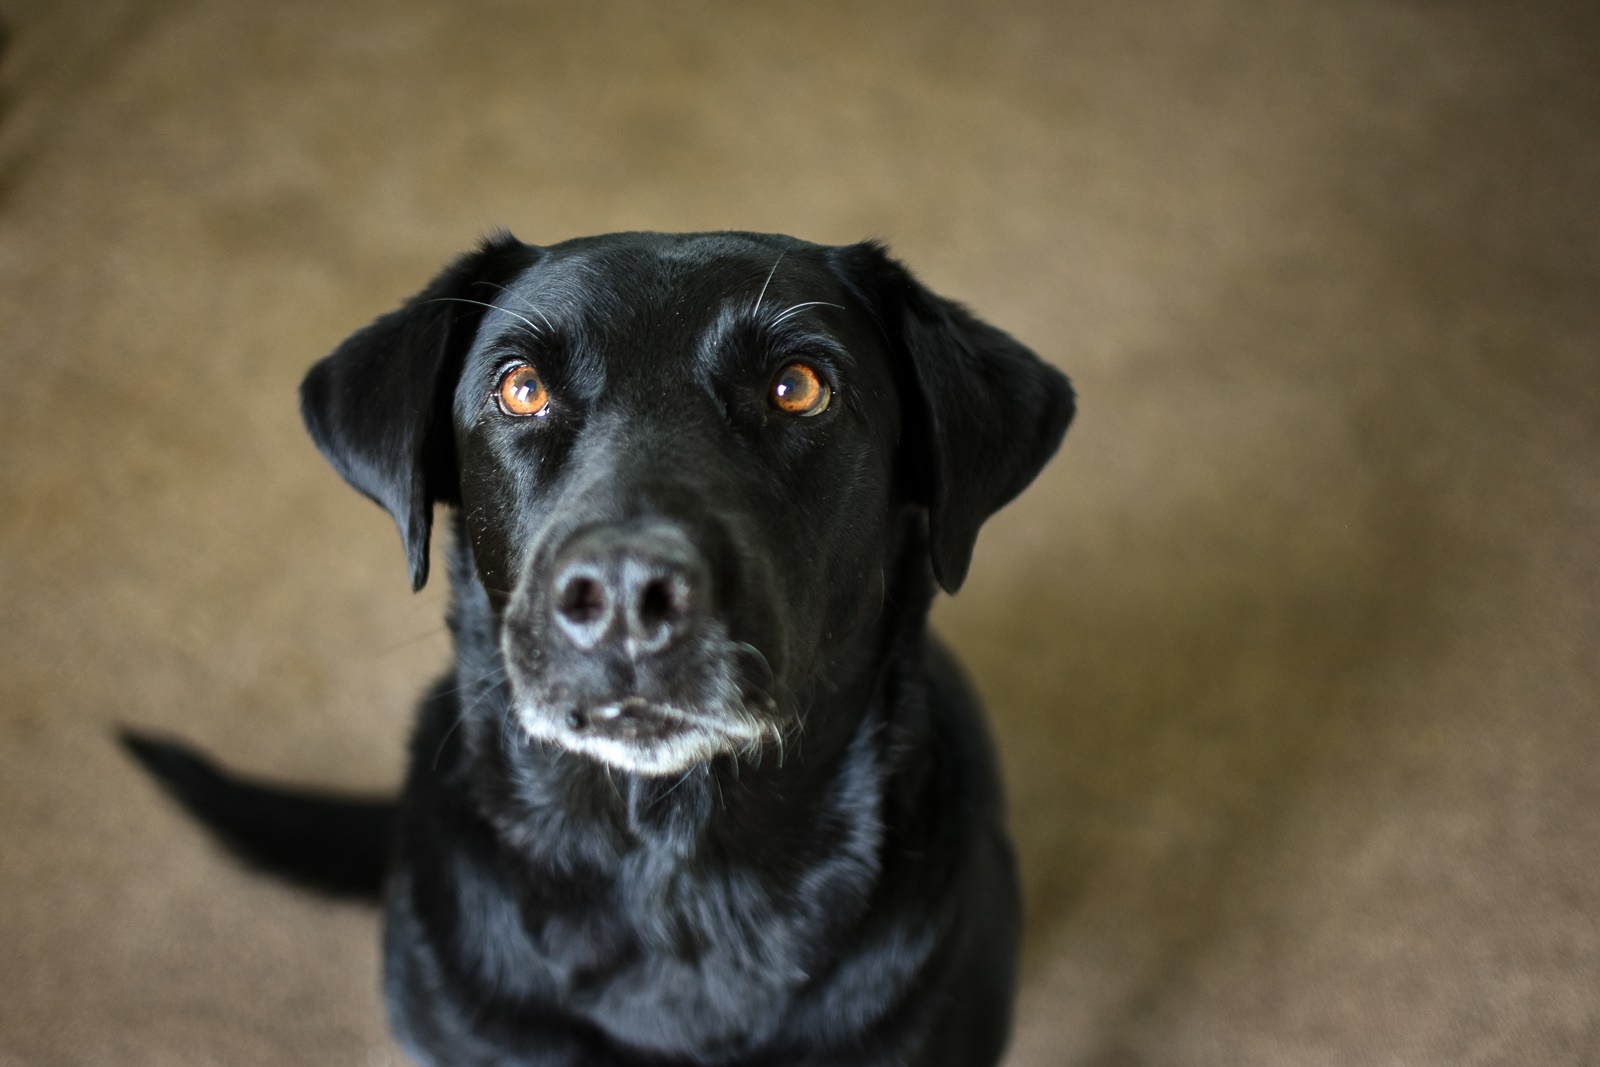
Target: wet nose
<point>637,588</point>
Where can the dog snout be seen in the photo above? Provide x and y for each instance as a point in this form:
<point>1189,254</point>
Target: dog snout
<point>638,588</point>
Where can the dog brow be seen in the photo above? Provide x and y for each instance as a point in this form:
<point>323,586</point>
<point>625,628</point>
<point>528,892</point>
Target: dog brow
<point>534,326</point>
<point>529,304</point>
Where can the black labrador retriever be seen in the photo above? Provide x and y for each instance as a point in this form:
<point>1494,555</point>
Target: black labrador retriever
<point>701,788</point>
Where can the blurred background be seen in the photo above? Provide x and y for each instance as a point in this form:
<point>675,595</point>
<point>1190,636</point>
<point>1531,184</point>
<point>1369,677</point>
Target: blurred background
<point>1292,652</point>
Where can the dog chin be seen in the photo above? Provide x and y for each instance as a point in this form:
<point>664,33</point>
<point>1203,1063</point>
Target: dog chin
<point>666,742</point>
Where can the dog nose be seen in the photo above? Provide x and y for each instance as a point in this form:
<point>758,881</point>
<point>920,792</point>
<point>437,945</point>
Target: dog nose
<point>638,587</point>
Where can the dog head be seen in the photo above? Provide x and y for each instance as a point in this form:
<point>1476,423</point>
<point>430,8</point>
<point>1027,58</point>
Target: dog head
<point>684,465</point>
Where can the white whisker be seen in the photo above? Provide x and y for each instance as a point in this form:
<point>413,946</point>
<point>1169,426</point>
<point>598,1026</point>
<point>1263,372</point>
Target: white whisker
<point>492,307</point>
<point>530,305</point>
<point>801,307</point>
<point>675,785</point>
<point>757,305</point>
<point>489,690</point>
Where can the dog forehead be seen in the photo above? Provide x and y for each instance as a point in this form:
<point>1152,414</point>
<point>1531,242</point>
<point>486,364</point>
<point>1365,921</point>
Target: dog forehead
<point>669,281</point>
<point>655,311</point>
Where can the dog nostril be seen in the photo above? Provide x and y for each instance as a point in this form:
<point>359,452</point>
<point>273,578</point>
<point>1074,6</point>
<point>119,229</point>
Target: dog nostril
<point>660,602</point>
<point>627,589</point>
<point>583,600</point>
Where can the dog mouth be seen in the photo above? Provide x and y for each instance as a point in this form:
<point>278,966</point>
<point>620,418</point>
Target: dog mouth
<point>646,737</point>
<point>631,719</point>
<point>726,704</point>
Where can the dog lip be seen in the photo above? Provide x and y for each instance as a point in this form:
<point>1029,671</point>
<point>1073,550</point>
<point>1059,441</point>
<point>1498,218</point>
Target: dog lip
<point>635,719</point>
<point>631,706</point>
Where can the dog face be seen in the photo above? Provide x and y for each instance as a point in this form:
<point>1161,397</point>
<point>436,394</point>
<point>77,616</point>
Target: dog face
<point>688,443</point>
<point>685,465</point>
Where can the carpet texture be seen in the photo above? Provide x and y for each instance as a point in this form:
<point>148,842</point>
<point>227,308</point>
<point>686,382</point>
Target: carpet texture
<point>1292,652</point>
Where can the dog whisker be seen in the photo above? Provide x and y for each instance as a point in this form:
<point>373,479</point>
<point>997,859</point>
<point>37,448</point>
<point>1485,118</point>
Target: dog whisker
<point>492,307</point>
<point>408,642</point>
<point>759,296</point>
<point>674,787</point>
<point>508,724</point>
<point>530,305</point>
<point>797,308</point>
<point>489,690</point>
<point>493,678</point>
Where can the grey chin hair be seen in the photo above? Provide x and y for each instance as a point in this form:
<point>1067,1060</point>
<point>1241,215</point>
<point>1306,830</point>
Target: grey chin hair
<point>736,733</point>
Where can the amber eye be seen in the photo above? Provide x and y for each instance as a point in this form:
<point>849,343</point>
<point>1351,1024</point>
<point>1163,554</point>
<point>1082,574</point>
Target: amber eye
<point>800,390</point>
<point>521,392</point>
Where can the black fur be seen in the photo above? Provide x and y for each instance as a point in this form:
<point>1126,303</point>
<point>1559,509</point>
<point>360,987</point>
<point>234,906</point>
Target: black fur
<point>700,789</point>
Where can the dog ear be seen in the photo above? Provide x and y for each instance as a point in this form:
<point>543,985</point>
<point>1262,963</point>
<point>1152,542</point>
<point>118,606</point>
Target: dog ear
<point>379,407</point>
<point>982,413</point>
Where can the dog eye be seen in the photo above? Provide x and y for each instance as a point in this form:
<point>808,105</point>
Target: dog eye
<point>800,390</point>
<point>521,392</point>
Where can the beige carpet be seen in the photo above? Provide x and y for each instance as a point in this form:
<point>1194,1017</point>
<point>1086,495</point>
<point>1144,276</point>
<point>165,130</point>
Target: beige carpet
<point>1292,652</point>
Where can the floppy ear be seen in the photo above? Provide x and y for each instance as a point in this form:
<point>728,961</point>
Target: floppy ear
<point>379,406</point>
<point>983,414</point>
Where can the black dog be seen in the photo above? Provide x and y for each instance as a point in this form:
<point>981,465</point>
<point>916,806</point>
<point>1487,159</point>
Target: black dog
<point>700,788</point>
